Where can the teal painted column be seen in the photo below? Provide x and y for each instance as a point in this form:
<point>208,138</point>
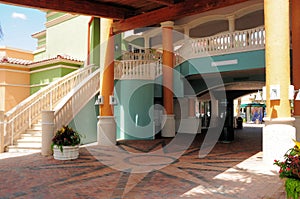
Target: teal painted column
<point>134,112</point>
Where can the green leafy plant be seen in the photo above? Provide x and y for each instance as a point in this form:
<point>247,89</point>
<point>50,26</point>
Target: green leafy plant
<point>66,136</point>
<point>292,188</point>
<point>290,169</point>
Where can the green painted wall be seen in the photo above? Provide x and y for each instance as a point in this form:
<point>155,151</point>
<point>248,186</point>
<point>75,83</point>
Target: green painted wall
<point>134,112</point>
<point>95,42</point>
<point>85,122</point>
<point>118,46</point>
<point>46,77</point>
<point>138,42</point>
<point>178,86</point>
<point>157,87</point>
<point>246,60</point>
<point>124,45</point>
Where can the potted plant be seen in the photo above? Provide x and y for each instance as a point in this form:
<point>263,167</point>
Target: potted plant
<point>65,144</point>
<point>290,170</point>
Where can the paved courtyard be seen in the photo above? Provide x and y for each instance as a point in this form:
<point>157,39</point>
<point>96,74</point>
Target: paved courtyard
<point>161,168</point>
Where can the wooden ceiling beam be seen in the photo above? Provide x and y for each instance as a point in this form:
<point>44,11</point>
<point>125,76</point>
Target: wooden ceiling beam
<point>84,7</point>
<point>176,11</point>
<point>163,2</point>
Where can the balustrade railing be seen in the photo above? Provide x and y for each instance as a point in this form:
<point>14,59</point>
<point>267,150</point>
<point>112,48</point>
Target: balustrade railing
<point>142,56</point>
<point>67,108</point>
<point>137,69</point>
<point>21,117</point>
<point>229,42</point>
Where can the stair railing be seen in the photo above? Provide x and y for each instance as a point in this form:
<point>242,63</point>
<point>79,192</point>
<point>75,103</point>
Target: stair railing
<point>21,117</point>
<point>76,99</point>
<point>68,108</point>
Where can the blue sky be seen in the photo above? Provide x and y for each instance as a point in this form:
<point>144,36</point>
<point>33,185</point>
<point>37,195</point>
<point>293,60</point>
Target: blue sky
<point>18,24</point>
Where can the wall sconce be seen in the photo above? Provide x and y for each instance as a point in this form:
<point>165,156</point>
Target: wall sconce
<point>112,100</point>
<point>99,100</point>
<point>274,92</point>
<point>116,47</point>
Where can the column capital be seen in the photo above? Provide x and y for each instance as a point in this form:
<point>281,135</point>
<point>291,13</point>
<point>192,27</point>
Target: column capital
<point>231,17</point>
<point>167,24</point>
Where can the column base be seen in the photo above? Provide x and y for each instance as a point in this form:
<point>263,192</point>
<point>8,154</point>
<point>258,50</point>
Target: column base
<point>106,130</point>
<point>277,138</point>
<point>190,125</point>
<point>47,132</point>
<point>168,129</point>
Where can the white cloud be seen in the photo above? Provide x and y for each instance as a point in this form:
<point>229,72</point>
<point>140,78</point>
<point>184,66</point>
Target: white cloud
<point>16,15</point>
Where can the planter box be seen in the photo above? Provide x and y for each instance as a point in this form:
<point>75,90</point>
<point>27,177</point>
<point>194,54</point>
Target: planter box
<point>69,153</point>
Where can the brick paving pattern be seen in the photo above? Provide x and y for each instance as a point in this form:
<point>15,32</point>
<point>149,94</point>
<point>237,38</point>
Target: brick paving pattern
<point>134,170</point>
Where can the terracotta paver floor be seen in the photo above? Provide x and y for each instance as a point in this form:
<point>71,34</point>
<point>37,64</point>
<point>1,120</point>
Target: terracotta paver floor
<point>160,168</point>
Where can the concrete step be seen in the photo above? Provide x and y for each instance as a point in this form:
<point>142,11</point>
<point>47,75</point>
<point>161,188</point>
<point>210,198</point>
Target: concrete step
<point>37,134</point>
<point>30,143</point>
<point>37,126</point>
<point>31,138</point>
<point>33,131</point>
<point>15,149</point>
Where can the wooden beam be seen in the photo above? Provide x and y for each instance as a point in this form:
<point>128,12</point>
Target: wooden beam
<point>164,2</point>
<point>84,7</point>
<point>177,11</point>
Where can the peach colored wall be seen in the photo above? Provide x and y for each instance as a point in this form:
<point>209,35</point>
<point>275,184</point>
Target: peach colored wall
<point>2,98</point>
<point>19,54</point>
<point>2,76</point>
<point>14,95</point>
<point>16,86</point>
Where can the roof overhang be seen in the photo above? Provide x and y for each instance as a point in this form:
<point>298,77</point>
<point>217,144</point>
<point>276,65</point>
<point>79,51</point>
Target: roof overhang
<point>129,14</point>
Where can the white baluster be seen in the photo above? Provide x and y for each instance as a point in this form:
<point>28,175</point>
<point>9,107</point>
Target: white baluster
<point>29,116</point>
<point>51,101</point>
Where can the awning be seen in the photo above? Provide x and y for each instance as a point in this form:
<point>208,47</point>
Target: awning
<point>252,105</point>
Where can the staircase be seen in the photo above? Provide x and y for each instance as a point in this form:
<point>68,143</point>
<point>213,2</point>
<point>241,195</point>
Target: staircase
<point>22,130</point>
<point>30,141</point>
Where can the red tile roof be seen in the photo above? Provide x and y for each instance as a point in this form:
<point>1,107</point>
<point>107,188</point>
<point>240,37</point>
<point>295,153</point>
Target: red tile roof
<point>65,57</point>
<point>10,60</point>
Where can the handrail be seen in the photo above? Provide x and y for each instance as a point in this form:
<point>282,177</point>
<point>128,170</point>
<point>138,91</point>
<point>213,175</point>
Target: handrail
<point>28,111</point>
<point>76,99</point>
